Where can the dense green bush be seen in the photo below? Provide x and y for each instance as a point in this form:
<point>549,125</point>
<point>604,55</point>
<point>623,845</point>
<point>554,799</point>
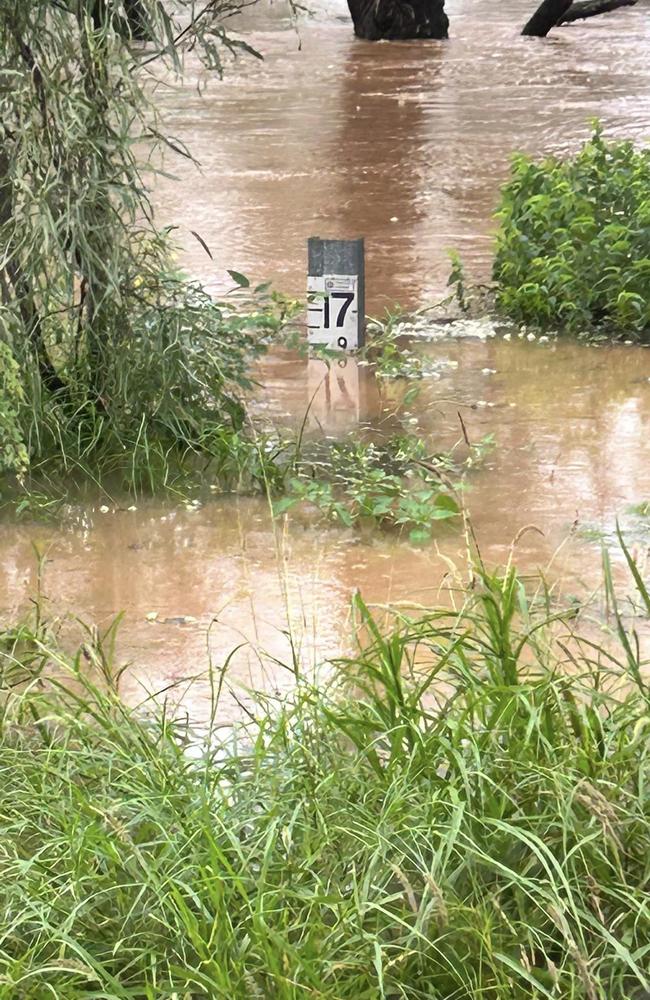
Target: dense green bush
<point>573,246</point>
<point>168,393</point>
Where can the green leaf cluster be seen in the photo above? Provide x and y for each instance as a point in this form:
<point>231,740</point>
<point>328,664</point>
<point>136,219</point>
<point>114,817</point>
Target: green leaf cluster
<point>391,484</point>
<point>573,245</point>
<point>13,454</point>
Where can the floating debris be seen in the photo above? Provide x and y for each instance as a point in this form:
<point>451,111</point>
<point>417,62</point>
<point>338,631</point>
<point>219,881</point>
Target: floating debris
<point>484,328</point>
<point>154,618</point>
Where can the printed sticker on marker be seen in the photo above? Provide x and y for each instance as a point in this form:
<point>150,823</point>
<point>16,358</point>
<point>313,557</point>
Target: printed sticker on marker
<point>333,311</point>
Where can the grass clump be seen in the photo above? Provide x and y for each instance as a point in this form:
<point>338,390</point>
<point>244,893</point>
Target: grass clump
<point>573,244</point>
<point>461,813</point>
<point>170,406</point>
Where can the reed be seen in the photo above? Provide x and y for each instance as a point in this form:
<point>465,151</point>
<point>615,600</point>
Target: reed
<point>461,812</point>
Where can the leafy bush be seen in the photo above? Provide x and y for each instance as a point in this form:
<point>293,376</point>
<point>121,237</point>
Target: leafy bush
<point>463,813</point>
<point>170,391</point>
<point>573,246</point>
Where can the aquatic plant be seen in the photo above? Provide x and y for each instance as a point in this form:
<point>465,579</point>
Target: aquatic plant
<point>391,483</point>
<point>573,244</point>
<point>394,354</point>
<point>462,812</point>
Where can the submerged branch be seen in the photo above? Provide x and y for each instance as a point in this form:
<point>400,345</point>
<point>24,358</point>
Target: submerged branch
<point>546,17</point>
<point>591,8</point>
<point>554,12</point>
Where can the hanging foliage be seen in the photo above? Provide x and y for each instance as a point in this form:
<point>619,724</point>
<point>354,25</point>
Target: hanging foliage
<point>119,357</point>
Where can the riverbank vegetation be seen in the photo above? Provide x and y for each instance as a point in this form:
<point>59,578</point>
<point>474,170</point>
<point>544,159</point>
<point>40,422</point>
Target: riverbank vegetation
<point>573,244</point>
<point>457,809</point>
<point>460,811</point>
<point>112,363</point>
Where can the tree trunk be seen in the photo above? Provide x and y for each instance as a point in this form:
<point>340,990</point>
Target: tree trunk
<point>134,23</point>
<point>136,15</point>
<point>399,19</point>
<point>546,17</point>
<point>590,8</point>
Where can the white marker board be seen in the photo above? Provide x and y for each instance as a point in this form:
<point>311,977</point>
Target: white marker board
<point>333,311</point>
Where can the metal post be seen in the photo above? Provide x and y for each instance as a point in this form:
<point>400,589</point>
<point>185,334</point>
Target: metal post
<point>336,293</point>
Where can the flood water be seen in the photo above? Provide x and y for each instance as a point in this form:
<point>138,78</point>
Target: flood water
<point>405,144</point>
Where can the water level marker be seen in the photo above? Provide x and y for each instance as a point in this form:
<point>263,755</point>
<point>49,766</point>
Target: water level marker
<point>336,293</point>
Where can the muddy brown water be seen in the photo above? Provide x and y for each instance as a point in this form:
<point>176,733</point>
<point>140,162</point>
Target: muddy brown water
<point>405,144</point>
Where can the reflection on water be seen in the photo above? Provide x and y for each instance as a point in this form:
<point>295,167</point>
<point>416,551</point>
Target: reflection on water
<point>405,144</point>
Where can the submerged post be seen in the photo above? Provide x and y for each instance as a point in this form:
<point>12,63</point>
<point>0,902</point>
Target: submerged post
<point>336,293</point>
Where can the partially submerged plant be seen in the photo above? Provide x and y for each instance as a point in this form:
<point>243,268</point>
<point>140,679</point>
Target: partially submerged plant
<point>573,244</point>
<point>394,483</point>
<point>391,351</point>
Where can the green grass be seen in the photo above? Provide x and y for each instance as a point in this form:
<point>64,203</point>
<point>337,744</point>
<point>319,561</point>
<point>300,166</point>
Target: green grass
<point>172,412</point>
<point>461,812</point>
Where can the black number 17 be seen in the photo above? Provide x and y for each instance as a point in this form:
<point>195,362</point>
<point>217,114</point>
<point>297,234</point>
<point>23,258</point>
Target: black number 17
<point>348,298</point>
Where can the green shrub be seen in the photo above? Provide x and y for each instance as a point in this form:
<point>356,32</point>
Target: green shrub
<point>393,483</point>
<point>166,404</point>
<point>573,246</point>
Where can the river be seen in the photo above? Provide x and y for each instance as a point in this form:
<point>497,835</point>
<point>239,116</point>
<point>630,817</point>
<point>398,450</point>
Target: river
<point>405,144</point>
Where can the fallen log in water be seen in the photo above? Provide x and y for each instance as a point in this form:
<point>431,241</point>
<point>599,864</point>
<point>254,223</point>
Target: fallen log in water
<point>546,17</point>
<point>590,8</point>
